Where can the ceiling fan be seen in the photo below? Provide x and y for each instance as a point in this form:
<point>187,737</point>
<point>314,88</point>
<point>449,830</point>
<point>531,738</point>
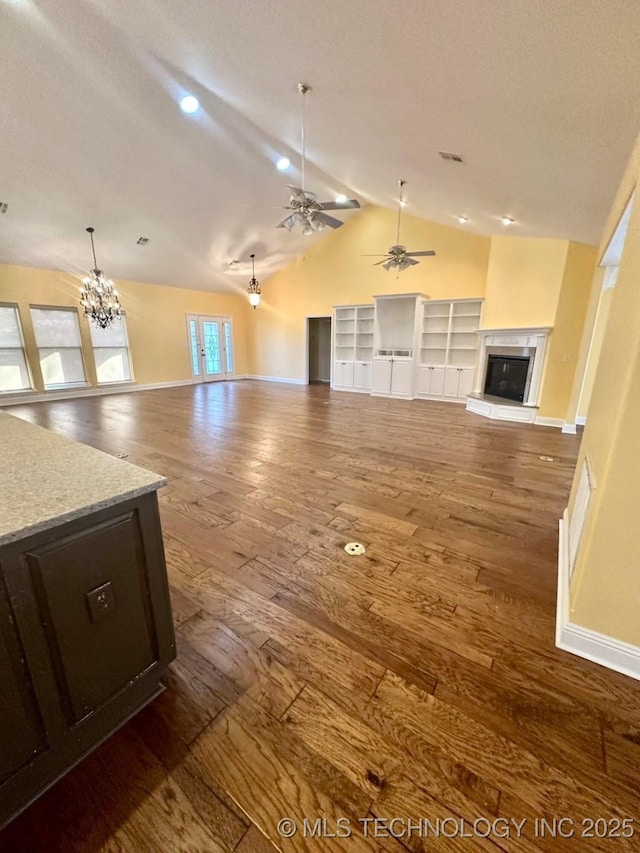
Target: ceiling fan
<point>307,211</point>
<point>397,257</point>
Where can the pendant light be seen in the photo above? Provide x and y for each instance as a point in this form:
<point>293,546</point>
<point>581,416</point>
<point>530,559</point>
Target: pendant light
<point>254,285</point>
<point>98,296</point>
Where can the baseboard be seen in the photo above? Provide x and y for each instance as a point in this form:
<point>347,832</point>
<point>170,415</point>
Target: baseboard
<point>569,429</point>
<point>581,420</point>
<point>72,393</point>
<point>277,379</point>
<point>599,648</point>
<point>552,422</point>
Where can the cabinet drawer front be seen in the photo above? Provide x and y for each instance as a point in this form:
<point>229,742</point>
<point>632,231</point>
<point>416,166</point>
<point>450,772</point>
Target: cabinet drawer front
<point>93,594</point>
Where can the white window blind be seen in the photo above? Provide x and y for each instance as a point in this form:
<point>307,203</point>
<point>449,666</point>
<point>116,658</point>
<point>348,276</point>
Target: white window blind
<point>14,373</point>
<point>59,347</point>
<point>111,352</point>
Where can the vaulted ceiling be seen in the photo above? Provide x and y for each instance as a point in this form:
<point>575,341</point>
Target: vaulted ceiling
<point>541,100</point>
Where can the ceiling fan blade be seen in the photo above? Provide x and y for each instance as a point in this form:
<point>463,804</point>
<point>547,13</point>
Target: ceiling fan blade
<point>418,254</point>
<point>299,193</point>
<point>385,260</point>
<point>339,205</point>
<point>331,221</point>
<point>375,256</point>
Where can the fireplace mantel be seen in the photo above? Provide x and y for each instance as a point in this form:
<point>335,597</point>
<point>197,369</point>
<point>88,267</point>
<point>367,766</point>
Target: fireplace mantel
<point>530,341</point>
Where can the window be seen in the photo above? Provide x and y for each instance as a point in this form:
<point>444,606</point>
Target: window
<point>111,352</point>
<point>59,347</point>
<point>14,373</point>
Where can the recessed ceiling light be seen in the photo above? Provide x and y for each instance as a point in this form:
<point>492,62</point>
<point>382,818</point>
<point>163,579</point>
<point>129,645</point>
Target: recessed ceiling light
<point>282,164</point>
<point>463,219</point>
<point>506,220</point>
<point>189,104</point>
<point>341,198</point>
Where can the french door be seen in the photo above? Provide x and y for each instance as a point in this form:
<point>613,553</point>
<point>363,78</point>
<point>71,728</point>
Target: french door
<point>211,348</point>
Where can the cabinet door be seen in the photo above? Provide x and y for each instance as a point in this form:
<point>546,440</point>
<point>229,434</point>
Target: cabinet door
<point>366,365</point>
<point>437,381</point>
<point>362,375</point>
<point>381,381</point>
<point>451,379</point>
<point>401,378</point>
<point>424,380</point>
<point>465,383</point>
<point>23,735</point>
<point>343,374</point>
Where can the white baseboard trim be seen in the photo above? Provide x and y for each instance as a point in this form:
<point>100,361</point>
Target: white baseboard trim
<point>552,422</point>
<point>581,420</point>
<point>569,429</point>
<point>277,379</point>
<point>72,393</point>
<point>599,648</point>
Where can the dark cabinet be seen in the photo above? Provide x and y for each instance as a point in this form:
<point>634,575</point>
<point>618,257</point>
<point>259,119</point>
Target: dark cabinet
<point>85,634</point>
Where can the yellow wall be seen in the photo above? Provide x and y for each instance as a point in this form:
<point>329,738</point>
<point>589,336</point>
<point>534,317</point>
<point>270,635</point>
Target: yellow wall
<point>606,581</point>
<point>564,343</point>
<point>332,272</point>
<point>523,282</point>
<point>597,339</point>
<point>156,322</point>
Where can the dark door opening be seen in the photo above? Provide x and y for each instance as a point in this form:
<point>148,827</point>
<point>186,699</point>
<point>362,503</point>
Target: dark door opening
<point>507,376</point>
<point>319,336</point>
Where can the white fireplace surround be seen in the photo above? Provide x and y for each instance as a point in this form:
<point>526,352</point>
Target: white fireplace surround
<point>531,342</point>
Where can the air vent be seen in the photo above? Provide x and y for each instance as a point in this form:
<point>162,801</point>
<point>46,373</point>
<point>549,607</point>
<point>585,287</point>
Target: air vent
<point>142,241</point>
<point>233,265</point>
<point>3,206</point>
<point>455,158</point>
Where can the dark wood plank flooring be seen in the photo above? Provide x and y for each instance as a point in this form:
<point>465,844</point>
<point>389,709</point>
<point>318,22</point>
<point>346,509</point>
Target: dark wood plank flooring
<point>418,681</point>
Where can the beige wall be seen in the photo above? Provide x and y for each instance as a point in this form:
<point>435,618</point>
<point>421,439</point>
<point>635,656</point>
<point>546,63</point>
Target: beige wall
<point>524,278</point>
<point>606,581</point>
<point>564,343</point>
<point>333,272</point>
<point>156,322</point>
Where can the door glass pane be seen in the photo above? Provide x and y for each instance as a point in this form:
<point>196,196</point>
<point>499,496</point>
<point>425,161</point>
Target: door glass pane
<point>212,348</point>
<point>228,343</point>
<point>195,355</point>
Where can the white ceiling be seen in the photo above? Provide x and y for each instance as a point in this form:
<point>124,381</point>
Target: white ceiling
<point>541,98</point>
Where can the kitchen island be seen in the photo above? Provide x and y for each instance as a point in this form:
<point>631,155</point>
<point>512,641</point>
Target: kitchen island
<point>85,620</point>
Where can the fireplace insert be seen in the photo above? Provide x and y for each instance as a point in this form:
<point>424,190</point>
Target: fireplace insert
<point>507,376</point>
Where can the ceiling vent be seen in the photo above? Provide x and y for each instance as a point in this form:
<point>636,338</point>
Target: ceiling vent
<point>455,158</point>
<point>142,241</point>
<point>3,206</point>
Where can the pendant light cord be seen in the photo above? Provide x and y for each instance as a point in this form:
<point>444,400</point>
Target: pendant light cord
<point>302,135</point>
<point>93,248</point>
<point>399,213</point>
<point>253,268</point>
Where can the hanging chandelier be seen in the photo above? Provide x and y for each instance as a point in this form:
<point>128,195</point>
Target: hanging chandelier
<point>98,296</point>
<point>254,285</point>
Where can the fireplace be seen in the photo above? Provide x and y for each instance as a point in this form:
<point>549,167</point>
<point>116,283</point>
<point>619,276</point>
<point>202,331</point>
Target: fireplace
<point>506,376</point>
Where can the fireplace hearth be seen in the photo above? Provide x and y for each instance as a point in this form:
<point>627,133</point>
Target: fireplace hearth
<point>506,376</point>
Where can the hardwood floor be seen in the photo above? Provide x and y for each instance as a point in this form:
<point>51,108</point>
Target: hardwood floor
<point>417,681</point>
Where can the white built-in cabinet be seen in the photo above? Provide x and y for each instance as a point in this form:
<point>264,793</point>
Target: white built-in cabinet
<point>394,362</point>
<point>406,346</point>
<point>352,347</point>
<point>448,348</point>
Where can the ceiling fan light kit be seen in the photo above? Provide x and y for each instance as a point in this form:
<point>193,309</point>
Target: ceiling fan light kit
<point>307,211</point>
<point>397,258</point>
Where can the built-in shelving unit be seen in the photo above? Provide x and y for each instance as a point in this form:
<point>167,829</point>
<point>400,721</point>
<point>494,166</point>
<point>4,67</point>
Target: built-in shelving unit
<point>353,337</point>
<point>448,348</point>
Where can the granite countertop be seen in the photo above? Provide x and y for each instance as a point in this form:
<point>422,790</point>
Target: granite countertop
<point>47,479</point>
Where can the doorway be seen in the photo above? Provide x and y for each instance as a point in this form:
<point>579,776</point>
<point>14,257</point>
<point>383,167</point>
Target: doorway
<point>211,348</point>
<point>319,349</point>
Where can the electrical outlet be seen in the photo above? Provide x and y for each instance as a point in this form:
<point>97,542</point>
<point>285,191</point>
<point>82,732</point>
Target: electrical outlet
<point>101,601</point>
